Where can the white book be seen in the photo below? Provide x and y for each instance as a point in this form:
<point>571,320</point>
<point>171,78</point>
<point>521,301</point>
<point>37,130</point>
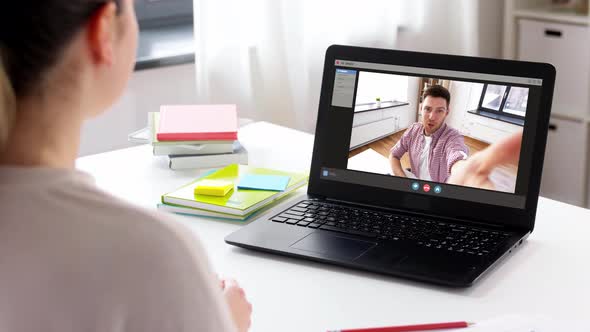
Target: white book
<point>240,156</point>
<point>194,149</point>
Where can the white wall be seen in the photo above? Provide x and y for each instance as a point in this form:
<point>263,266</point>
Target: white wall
<point>385,86</point>
<point>373,125</point>
<point>490,22</point>
<point>146,91</point>
<point>464,97</point>
<point>393,87</point>
<point>464,27</point>
<point>413,98</point>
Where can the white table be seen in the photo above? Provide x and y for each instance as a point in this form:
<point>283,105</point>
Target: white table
<point>549,275</point>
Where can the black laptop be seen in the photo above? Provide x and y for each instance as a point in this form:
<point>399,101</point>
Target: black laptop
<point>398,182</point>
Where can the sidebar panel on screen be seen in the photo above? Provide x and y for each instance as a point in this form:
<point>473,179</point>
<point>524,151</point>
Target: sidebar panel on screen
<point>340,117</point>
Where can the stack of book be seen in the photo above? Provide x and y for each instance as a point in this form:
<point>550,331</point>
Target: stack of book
<point>252,190</point>
<point>197,136</point>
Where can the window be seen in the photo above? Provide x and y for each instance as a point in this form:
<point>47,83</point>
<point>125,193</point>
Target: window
<point>493,97</point>
<point>386,87</point>
<point>509,101</point>
<point>152,13</point>
<point>517,101</point>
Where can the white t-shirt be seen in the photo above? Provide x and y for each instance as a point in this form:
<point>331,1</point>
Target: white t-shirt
<point>425,159</point>
<point>73,258</point>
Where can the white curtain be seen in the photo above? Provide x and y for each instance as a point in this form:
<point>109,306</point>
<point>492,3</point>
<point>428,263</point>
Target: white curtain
<point>463,27</point>
<point>267,55</point>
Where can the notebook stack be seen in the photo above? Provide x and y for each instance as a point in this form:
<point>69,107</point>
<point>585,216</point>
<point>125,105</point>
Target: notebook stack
<point>234,192</point>
<point>197,136</point>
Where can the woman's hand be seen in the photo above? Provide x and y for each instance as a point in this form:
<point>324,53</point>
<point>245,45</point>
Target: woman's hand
<point>240,308</point>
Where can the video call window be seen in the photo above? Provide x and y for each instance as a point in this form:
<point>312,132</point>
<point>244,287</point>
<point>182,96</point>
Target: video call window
<point>422,127</point>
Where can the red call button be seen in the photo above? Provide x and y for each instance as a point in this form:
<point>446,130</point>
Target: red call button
<point>426,188</point>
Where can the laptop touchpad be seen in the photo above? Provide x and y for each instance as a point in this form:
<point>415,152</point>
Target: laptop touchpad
<point>332,245</point>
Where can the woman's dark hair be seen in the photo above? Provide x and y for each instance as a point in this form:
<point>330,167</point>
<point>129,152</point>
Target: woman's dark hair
<point>33,35</point>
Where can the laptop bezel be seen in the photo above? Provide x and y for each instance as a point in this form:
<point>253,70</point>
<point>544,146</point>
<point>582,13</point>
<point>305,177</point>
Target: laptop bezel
<point>439,206</point>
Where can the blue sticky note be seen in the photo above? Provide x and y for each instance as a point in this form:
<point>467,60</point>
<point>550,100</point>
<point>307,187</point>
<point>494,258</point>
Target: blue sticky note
<point>264,182</point>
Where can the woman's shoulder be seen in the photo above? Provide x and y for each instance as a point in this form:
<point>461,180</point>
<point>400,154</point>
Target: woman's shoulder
<point>132,259</point>
<point>68,205</point>
<point>130,223</point>
<point>129,236</point>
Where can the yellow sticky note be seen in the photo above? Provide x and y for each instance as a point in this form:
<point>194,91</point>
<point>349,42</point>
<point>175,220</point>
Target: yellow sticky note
<point>213,187</point>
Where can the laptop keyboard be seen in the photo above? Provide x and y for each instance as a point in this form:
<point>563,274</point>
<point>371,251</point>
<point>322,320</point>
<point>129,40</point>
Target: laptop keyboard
<point>423,232</point>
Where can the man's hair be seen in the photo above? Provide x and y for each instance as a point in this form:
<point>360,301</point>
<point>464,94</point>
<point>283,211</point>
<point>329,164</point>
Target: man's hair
<point>438,91</point>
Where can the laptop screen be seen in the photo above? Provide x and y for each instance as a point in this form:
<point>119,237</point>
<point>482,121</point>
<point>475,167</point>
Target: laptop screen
<point>414,129</point>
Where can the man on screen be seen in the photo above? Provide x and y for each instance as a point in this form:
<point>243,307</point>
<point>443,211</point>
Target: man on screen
<point>433,146</point>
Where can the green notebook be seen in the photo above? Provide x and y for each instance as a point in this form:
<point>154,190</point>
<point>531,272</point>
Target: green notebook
<point>238,201</point>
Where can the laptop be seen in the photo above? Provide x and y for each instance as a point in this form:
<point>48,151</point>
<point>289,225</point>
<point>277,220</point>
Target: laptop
<point>425,166</point>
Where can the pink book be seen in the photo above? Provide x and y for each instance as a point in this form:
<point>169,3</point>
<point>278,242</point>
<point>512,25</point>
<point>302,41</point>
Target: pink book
<point>198,123</point>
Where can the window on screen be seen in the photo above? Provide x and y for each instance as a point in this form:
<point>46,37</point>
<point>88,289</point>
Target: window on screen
<point>436,131</point>
<point>505,100</point>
